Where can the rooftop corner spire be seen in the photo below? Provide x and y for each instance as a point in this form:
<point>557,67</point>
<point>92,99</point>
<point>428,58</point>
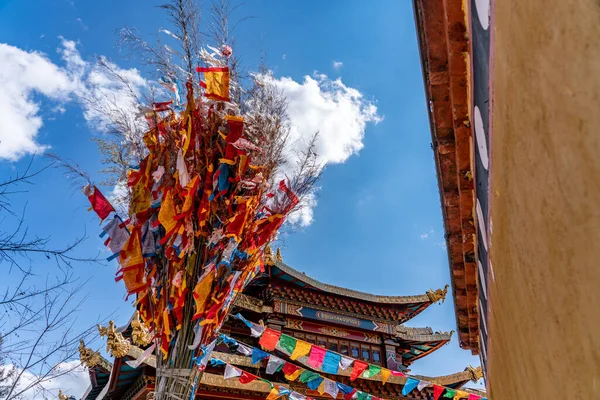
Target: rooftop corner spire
<point>438,295</point>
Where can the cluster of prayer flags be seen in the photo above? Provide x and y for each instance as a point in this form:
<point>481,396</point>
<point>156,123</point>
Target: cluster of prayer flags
<point>330,362</point>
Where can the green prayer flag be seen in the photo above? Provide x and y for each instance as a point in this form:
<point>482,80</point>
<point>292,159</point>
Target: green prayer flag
<point>307,376</point>
<point>287,343</point>
<point>372,371</point>
<point>362,396</point>
<point>450,393</point>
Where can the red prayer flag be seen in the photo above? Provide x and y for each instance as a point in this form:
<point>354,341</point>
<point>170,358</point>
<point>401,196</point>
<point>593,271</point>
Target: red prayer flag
<point>99,203</point>
<point>437,391</point>
<point>247,377</point>
<point>358,368</point>
<point>316,357</point>
<point>289,369</point>
<point>269,339</point>
<point>348,396</point>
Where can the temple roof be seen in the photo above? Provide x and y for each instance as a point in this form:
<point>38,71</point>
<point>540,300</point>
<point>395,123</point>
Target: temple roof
<point>445,51</point>
<point>288,274</point>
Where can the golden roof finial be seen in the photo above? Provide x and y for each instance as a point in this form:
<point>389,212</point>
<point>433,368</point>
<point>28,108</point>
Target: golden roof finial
<point>62,396</point>
<point>278,255</point>
<point>476,373</point>
<point>116,344</point>
<point>269,255</point>
<point>438,295</point>
<point>140,335</point>
<point>88,357</point>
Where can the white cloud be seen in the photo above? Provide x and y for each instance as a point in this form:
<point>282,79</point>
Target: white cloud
<point>424,236</point>
<point>73,383</point>
<point>22,76</point>
<point>338,113</point>
<point>283,57</point>
<point>337,65</point>
<point>26,76</point>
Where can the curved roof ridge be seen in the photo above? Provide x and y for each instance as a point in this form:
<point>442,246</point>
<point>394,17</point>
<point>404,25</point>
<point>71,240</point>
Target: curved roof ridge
<point>421,298</point>
<point>469,374</point>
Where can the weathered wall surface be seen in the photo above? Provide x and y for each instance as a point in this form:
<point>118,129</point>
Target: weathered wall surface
<point>545,292</point>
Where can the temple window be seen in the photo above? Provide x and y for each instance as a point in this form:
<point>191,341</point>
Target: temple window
<point>376,357</point>
<point>355,351</point>
<point>344,349</point>
<point>366,354</point>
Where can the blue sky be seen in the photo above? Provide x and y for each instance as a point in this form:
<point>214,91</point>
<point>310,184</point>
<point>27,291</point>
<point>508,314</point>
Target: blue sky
<point>377,226</point>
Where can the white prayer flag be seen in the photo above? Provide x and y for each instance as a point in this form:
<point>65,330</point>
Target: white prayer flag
<point>331,388</point>
<point>273,364</point>
<point>346,362</point>
<point>257,330</point>
<point>231,372</point>
<point>297,396</point>
<point>422,385</point>
<point>243,349</point>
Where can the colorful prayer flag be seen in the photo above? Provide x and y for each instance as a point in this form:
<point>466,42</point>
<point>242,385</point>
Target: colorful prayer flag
<point>274,365</point>
<point>269,339</point>
<point>258,354</point>
<point>231,372</point>
<point>450,393</point>
<point>437,391</point>
<point>372,371</point>
<point>346,362</point>
<point>247,377</point>
<point>331,363</point>
<point>385,375</point>
<point>410,384</point>
<point>302,348</point>
<point>317,355</point>
<point>100,205</point>
<point>216,82</point>
<point>287,343</point>
<point>359,368</point>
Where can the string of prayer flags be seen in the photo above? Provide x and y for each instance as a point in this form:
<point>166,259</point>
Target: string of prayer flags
<point>331,363</point>
<point>316,357</point>
<point>358,368</point>
<point>409,386</point>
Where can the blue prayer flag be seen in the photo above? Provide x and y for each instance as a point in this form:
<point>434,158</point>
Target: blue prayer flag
<point>258,354</point>
<point>410,384</point>
<point>331,363</point>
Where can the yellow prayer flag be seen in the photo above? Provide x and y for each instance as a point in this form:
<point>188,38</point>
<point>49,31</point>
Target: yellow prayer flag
<point>385,375</point>
<point>293,376</point>
<point>321,388</point>
<point>273,394</point>
<point>166,215</point>
<point>302,349</point>
<point>460,394</point>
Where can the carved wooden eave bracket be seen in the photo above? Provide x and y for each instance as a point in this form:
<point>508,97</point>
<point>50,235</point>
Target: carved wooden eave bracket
<point>252,304</point>
<point>87,356</point>
<point>116,344</point>
<point>439,294</point>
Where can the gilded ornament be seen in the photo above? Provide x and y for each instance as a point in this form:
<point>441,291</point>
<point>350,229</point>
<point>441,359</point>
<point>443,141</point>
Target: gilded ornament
<point>88,357</point>
<point>278,255</point>
<point>476,373</point>
<point>438,295</point>
<point>140,335</point>
<point>62,396</point>
<point>116,344</point>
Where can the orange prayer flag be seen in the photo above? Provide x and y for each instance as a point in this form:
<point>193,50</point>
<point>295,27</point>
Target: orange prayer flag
<point>216,82</point>
<point>269,339</point>
<point>385,375</point>
<point>202,293</point>
<point>273,394</point>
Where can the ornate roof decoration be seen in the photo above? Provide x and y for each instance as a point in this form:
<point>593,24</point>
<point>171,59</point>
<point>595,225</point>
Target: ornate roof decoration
<point>438,295</point>
<point>268,254</point>
<point>422,337</point>
<point>87,356</point>
<point>116,344</point>
<point>278,255</point>
<point>423,298</point>
<point>140,334</point>
<point>251,303</point>
<point>62,396</point>
<point>476,373</point>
